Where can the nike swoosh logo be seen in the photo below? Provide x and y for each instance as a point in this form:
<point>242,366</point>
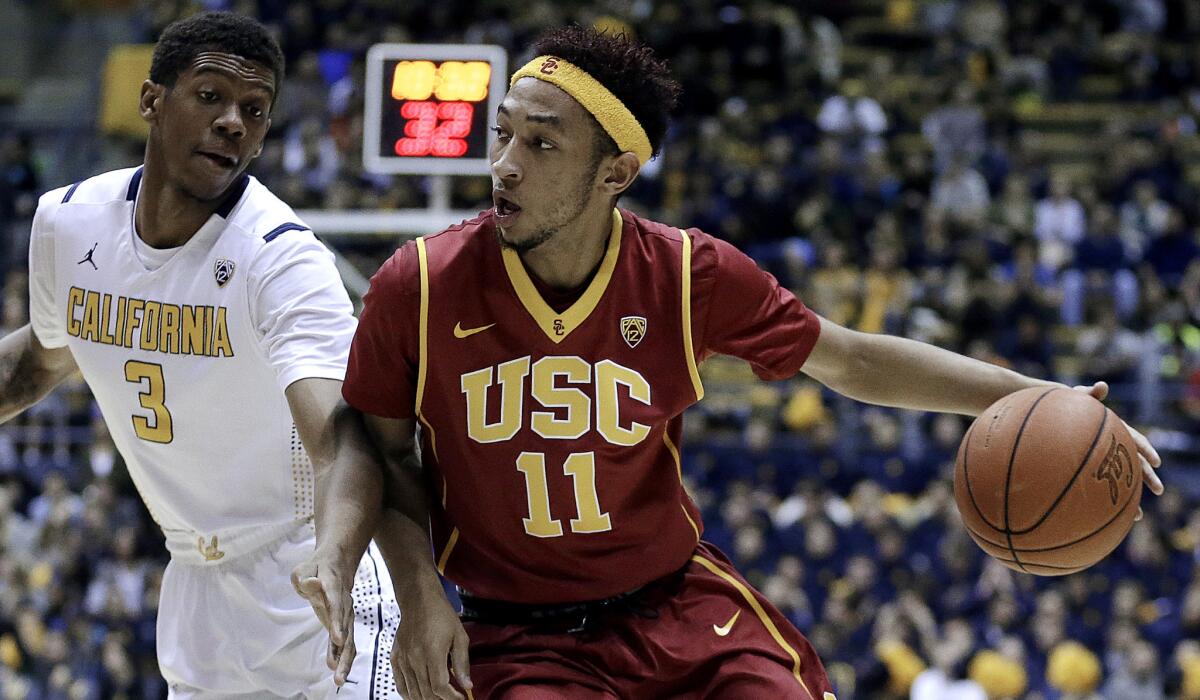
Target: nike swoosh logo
<point>460,332</point>
<point>725,628</point>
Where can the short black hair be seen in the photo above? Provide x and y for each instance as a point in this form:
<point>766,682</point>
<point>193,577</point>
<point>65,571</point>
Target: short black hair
<point>228,32</point>
<point>629,70</point>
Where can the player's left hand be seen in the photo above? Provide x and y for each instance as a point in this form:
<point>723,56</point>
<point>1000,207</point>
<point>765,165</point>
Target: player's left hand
<point>430,644</point>
<point>321,582</point>
<point>1147,455</point>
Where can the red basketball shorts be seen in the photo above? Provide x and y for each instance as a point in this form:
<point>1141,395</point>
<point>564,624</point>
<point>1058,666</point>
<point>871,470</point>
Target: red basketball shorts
<point>713,636</point>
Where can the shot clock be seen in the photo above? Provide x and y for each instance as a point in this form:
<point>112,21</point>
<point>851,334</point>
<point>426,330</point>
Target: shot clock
<point>429,107</point>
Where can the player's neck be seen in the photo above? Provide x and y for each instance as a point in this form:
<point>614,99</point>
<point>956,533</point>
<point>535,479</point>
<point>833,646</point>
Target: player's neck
<point>569,259</point>
<point>165,216</point>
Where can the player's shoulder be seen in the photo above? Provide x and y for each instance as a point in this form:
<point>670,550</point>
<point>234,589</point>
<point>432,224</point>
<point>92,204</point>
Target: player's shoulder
<point>658,236</point>
<point>649,229</point>
<point>263,219</point>
<point>461,246</point>
<point>113,187</point>
<point>449,249</point>
<point>463,235</point>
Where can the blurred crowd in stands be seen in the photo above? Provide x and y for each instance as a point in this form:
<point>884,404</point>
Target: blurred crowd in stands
<point>1015,180</point>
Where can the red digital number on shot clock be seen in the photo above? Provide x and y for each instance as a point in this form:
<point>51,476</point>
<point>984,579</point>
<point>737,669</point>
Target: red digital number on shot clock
<point>435,129</point>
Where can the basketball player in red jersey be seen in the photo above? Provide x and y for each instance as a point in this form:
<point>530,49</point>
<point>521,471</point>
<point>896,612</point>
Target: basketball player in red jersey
<point>548,349</point>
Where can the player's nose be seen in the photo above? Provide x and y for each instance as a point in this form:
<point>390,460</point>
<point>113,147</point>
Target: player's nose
<point>230,123</point>
<point>505,167</point>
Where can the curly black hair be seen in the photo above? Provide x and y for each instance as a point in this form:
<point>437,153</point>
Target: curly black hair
<point>213,31</point>
<point>628,69</point>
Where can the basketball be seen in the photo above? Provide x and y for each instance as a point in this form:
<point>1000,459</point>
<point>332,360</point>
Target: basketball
<point>1048,481</point>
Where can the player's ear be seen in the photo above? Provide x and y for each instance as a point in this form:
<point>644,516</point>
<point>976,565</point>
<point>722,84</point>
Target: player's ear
<point>150,100</point>
<point>620,173</point>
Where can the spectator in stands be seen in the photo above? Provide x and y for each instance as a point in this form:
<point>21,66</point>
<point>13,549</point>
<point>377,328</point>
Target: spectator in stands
<point>1109,351</point>
<point>1173,251</point>
<point>855,119</point>
<point>1014,209</point>
<point>18,194</point>
<point>1101,268</point>
<point>983,24</point>
<point>1059,224</point>
<point>817,39</point>
<point>958,129</point>
<point>1138,678</point>
<point>1143,218</point>
<point>961,195</point>
<point>1074,671</point>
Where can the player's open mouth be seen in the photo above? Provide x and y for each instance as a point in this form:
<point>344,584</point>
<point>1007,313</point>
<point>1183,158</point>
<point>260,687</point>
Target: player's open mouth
<point>506,210</point>
<point>219,160</point>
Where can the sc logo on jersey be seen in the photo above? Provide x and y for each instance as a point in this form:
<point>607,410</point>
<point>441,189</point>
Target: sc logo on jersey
<point>633,329</point>
<point>223,271</point>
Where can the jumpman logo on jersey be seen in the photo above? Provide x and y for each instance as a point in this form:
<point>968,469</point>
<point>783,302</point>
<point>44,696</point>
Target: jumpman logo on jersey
<point>88,258</point>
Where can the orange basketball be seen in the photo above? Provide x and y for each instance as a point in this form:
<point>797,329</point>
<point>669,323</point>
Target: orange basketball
<point>1048,481</point>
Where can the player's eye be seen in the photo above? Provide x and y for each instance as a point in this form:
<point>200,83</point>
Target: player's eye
<point>208,96</point>
<point>545,145</point>
<point>501,135</point>
<point>255,111</point>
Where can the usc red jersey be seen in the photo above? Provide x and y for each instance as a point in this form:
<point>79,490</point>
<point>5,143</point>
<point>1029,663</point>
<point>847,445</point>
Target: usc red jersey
<point>551,436</point>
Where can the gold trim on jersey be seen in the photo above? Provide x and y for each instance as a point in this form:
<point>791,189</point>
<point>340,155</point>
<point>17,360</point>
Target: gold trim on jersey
<point>762,616</point>
<point>693,370</point>
<point>558,326</point>
<point>441,565</point>
<point>679,470</point>
<point>423,328</point>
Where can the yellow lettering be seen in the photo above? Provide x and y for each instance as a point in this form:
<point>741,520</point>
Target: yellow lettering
<point>150,326</point>
<point>512,392</point>
<point>577,405</point>
<point>193,330</point>
<point>132,320</point>
<point>209,320</point>
<point>221,344</point>
<point>74,300</point>
<point>539,523</point>
<point>608,412</point>
<point>170,340</point>
<point>160,429</point>
<point>106,320</point>
<point>582,468</point>
<point>91,316</point>
<point>119,329</point>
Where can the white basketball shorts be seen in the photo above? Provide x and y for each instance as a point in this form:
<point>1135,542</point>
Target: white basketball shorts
<point>238,629</point>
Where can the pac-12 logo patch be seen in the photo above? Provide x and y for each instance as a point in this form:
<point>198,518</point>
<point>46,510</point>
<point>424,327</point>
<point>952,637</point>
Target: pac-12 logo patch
<point>633,329</point>
<point>223,271</point>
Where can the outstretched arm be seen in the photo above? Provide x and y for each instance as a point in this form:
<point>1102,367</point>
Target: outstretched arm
<point>29,371</point>
<point>891,371</point>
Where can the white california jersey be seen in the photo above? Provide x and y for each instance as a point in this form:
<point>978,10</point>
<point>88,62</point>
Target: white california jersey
<point>189,361</point>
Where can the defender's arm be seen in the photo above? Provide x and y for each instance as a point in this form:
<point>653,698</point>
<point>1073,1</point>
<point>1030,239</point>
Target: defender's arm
<point>29,371</point>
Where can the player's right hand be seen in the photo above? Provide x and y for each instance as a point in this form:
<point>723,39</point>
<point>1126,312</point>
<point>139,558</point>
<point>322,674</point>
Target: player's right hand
<point>322,583</point>
<point>430,642</point>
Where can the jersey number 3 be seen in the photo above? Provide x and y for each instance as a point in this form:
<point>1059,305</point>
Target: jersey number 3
<point>149,377</point>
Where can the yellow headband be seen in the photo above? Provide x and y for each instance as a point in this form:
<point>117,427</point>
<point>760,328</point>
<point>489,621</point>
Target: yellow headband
<point>612,114</point>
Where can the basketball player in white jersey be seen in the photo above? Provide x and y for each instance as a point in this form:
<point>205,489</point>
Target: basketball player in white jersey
<point>213,329</point>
